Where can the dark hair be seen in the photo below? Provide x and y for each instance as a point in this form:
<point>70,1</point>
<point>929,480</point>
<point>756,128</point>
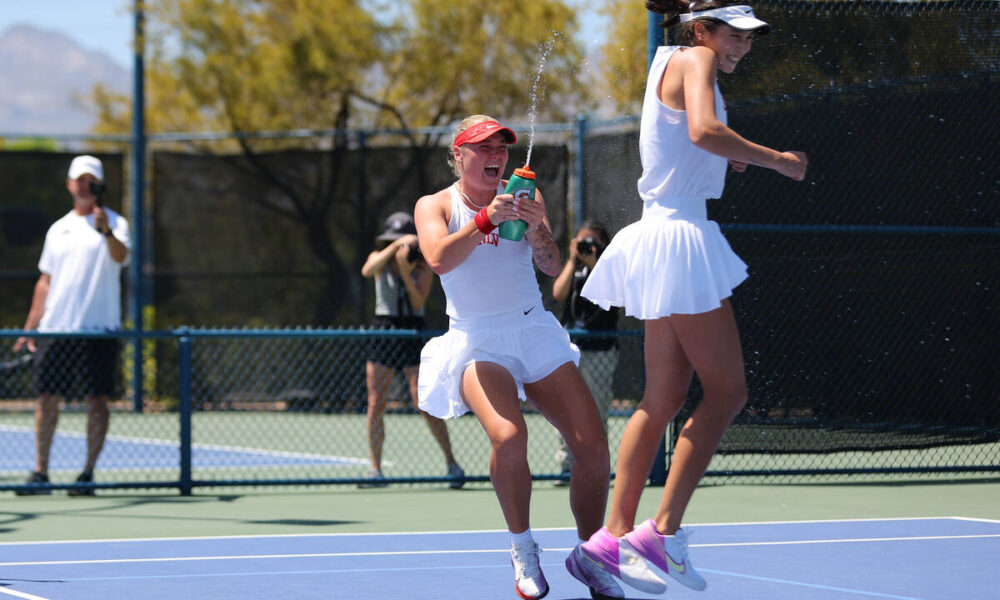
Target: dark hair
<point>598,228</point>
<point>672,9</point>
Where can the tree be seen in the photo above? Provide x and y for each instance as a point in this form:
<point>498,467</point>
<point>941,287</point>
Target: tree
<point>462,57</point>
<point>624,54</point>
<point>241,67</point>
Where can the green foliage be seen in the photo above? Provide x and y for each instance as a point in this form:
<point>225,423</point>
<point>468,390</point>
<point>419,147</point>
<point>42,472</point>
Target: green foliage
<point>265,65</point>
<point>290,64</point>
<point>624,54</point>
<point>460,58</point>
<point>29,144</point>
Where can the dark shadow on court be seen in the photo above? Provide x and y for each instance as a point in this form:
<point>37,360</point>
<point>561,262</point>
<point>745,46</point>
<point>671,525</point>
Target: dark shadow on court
<point>9,518</point>
<point>304,522</point>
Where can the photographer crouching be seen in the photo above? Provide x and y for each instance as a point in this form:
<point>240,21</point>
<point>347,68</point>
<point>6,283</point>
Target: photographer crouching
<point>598,355</point>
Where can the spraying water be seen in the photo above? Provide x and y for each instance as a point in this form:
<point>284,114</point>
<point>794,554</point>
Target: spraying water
<point>522,183</point>
<point>533,111</point>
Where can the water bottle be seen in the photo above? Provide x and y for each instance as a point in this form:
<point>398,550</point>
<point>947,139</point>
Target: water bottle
<point>522,186</point>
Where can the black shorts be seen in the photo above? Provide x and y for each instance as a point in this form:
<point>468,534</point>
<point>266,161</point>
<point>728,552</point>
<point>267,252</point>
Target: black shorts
<point>76,367</point>
<point>396,352</point>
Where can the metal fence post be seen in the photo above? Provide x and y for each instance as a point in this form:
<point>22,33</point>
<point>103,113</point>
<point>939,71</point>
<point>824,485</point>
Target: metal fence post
<point>654,36</point>
<point>581,168</point>
<point>137,303</point>
<point>184,393</point>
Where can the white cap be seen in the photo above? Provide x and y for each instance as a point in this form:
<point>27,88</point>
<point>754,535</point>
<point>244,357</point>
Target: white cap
<point>86,164</point>
<point>738,17</point>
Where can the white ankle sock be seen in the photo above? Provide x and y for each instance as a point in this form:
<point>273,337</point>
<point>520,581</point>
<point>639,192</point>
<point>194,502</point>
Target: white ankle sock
<point>522,539</point>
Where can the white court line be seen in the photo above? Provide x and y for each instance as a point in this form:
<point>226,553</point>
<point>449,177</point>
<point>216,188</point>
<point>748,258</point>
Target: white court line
<point>864,520</point>
<point>17,594</point>
<point>278,535</point>
<point>103,561</point>
<point>447,531</point>
<point>810,585</point>
<point>850,540</point>
<point>976,520</point>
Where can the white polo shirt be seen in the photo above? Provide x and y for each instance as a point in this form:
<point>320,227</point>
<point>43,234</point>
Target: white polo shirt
<point>85,287</point>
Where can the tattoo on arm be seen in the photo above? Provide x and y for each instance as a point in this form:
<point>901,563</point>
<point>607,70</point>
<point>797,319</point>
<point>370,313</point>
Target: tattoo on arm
<point>545,250</point>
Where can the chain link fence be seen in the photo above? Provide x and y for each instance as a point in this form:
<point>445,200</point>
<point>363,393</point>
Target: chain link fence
<point>257,407</point>
<point>870,321</point>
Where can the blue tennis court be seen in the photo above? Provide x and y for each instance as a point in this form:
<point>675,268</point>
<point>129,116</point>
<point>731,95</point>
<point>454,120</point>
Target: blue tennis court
<point>903,559</point>
<point>123,453</point>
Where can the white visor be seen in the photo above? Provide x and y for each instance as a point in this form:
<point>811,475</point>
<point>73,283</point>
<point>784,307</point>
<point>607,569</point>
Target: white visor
<point>738,17</point>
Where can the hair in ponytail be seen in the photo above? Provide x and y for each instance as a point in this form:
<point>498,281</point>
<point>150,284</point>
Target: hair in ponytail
<point>672,9</point>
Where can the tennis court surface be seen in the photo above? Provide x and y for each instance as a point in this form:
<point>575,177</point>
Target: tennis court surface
<point>907,558</point>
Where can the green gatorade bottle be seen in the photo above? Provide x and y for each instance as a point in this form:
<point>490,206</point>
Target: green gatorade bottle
<point>522,185</point>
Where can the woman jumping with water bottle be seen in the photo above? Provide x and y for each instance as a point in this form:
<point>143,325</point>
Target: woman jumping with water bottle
<point>674,270</point>
<point>502,346</point>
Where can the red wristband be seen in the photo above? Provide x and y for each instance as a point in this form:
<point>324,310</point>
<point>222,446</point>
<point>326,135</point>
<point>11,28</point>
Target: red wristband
<point>483,222</point>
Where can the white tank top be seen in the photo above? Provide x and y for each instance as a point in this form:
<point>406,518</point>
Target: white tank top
<point>672,166</point>
<point>497,278</point>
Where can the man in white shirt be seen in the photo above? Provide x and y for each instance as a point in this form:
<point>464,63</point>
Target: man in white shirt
<point>79,290</point>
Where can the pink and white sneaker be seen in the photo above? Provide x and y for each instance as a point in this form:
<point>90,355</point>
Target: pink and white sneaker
<point>668,553</point>
<point>616,556</point>
<point>601,584</point>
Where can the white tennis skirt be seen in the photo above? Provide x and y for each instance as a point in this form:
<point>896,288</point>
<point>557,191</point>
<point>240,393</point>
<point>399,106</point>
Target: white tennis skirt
<point>672,261</point>
<point>529,342</point>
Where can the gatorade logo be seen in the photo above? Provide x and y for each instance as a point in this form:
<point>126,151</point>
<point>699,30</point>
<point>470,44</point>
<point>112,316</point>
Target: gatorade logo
<point>522,194</point>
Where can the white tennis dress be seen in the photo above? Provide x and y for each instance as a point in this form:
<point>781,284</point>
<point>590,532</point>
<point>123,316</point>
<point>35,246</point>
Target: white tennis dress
<point>495,315</point>
<point>674,260</point>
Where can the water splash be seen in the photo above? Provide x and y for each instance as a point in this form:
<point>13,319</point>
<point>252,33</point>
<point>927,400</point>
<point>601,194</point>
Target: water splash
<point>546,50</point>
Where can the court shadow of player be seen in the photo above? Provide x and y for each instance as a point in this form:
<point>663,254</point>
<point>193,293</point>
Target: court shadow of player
<point>305,522</point>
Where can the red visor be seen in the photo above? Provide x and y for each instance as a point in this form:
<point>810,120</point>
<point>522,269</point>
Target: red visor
<point>481,131</point>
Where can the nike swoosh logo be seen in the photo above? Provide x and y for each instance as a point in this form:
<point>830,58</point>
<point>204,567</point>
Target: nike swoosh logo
<point>679,567</point>
<point>529,310</point>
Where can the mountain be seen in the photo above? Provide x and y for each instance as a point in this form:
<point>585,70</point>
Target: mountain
<point>46,78</point>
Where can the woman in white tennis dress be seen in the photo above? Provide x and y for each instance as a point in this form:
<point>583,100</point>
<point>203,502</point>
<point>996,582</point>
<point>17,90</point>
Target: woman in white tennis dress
<point>502,346</point>
<point>674,270</point>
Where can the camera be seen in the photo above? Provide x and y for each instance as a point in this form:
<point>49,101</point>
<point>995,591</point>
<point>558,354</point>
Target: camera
<point>588,246</point>
<point>414,254</point>
<point>98,189</point>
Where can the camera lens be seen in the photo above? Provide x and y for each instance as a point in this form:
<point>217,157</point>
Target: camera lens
<point>586,246</point>
<point>414,254</point>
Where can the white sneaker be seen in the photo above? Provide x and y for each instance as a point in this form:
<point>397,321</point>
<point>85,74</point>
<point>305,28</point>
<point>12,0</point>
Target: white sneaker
<point>601,584</point>
<point>667,553</point>
<point>529,582</point>
<point>618,558</point>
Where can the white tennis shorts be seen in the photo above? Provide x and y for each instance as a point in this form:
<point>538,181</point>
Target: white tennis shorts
<point>528,342</point>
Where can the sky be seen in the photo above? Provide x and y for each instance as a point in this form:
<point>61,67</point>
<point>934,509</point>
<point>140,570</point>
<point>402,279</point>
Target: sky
<point>106,25</point>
